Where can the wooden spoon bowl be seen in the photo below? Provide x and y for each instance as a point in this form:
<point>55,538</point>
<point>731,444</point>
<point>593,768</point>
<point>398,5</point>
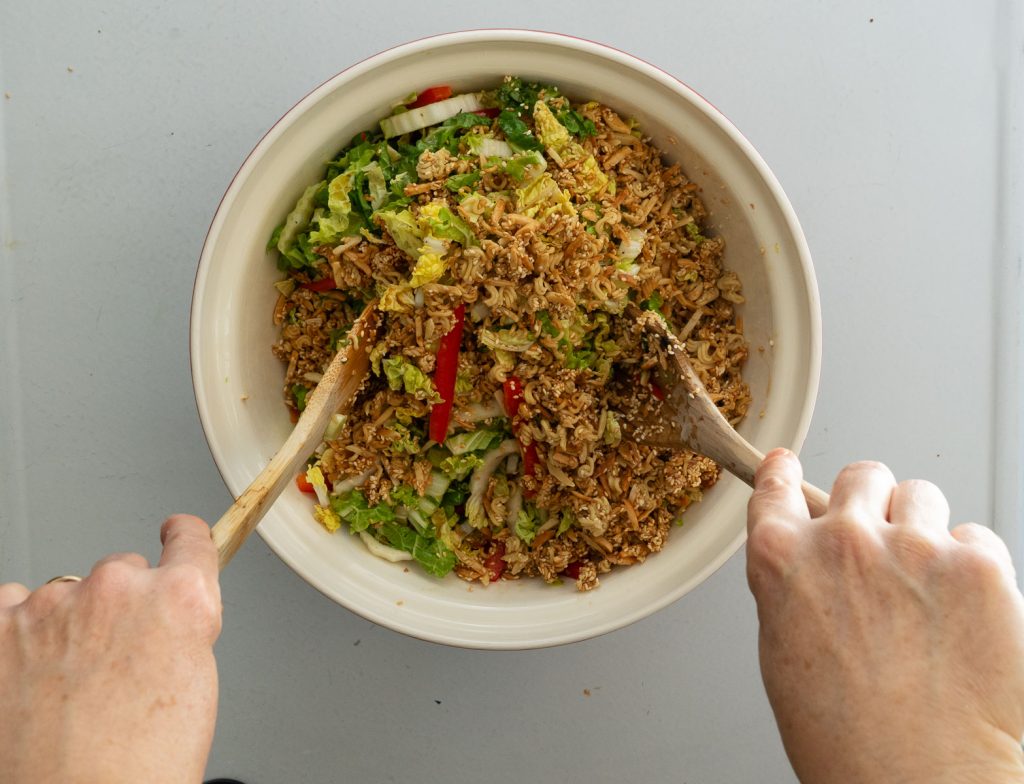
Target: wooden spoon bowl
<point>689,419</point>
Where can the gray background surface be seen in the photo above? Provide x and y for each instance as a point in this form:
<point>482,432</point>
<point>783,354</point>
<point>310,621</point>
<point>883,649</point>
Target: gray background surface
<point>894,128</point>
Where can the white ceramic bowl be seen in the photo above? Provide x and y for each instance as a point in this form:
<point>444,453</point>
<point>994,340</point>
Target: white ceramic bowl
<point>237,380</point>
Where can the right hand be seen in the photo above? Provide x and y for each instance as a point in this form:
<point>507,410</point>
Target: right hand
<point>892,649</point>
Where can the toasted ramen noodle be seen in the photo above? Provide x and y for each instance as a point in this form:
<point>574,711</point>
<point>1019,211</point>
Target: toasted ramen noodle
<point>501,246</point>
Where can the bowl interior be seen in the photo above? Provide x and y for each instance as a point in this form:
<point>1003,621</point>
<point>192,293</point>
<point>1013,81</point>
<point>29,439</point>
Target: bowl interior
<point>238,381</point>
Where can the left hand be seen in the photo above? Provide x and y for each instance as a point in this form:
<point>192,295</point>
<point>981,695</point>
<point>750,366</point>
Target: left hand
<point>112,679</point>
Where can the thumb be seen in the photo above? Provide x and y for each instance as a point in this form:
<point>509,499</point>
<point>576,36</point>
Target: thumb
<point>186,540</point>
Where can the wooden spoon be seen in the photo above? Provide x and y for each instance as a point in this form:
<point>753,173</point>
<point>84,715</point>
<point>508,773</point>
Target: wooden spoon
<point>336,389</point>
<point>689,419</point>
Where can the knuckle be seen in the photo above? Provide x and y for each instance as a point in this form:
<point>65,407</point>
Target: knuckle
<point>127,559</point>
<point>868,467</point>
<point>13,594</point>
<point>980,565</point>
<point>975,533</point>
<point>12,588</point>
<point>112,576</point>
<point>181,524</point>
<point>919,486</point>
<point>43,600</point>
<point>771,484</point>
<point>924,493</point>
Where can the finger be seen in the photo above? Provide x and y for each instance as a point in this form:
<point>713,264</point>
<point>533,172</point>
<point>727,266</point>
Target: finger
<point>186,540</point>
<point>777,494</point>
<point>862,491</point>
<point>130,559</point>
<point>974,535</point>
<point>919,503</point>
<point>12,594</point>
<point>41,602</point>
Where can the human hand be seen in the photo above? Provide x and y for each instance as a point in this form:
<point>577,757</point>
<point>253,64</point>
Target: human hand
<point>112,679</point>
<point>892,649</point>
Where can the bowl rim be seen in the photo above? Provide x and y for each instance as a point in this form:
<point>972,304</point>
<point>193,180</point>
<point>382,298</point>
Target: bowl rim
<point>713,113</point>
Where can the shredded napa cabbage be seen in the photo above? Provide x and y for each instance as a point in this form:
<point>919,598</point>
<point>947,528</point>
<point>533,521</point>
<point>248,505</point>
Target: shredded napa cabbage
<point>402,374</point>
<point>298,219</point>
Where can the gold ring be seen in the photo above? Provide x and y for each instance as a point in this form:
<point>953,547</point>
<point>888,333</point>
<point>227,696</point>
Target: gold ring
<point>65,578</point>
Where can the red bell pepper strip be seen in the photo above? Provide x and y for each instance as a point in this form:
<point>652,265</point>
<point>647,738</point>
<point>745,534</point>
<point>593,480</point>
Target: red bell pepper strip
<point>495,563</point>
<point>529,459</point>
<point>430,95</point>
<point>446,368</point>
<point>513,388</point>
<point>657,391</point>
<point>324,284</point>
<point>490,112</point>
<point>304,484</point>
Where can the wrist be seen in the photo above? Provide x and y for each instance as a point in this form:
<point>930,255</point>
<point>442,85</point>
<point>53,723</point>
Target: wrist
<point>957,755</point>
<point>988,756</point>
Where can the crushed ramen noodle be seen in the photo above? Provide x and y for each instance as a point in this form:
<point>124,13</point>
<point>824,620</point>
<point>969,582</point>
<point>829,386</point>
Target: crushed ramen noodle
<point>502,234</point>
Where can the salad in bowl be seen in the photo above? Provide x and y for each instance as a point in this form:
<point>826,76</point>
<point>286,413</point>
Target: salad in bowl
<point>501,234</point>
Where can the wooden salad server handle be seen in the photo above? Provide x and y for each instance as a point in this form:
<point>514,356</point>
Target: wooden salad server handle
<point>334,391</point>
